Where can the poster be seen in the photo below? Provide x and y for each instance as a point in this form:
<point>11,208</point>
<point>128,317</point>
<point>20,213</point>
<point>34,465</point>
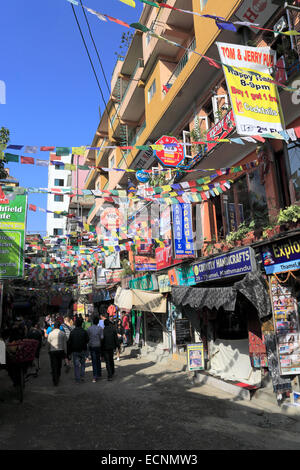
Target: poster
<point>183,231</point>
<point>169,155</point>
<point>282,255</point>
<point>195,356</point>
<point>255,102</point>
<point>12,236</point>
<point>286,325</point>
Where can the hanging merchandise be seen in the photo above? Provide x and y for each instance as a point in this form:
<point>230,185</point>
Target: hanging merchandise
<point>255,103</point>
<point>286,325</point>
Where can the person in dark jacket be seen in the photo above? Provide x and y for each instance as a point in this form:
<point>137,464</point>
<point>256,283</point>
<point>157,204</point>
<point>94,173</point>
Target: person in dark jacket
<point>35,333</point>
<point>78,342</point>
<point>109,344</point>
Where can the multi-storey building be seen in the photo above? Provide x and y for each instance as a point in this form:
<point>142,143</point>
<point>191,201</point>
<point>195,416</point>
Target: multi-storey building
<point>162,89</point>
<point>57,180</point>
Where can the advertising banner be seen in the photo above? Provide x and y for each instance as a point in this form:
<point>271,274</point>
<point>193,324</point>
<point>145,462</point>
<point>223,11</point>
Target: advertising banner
<point>147,282</point>
<point>255,101</point>
<point>195,356</point>
<point>144,263</point>
<point>12,236</point>
<point>281,256</point>
<point>182,276</point>
<point>183,231</point>
<point>286,325</point>
<point>256,12</point>
<point>232,264</point>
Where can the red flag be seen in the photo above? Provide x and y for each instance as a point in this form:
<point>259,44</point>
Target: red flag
<point>27,160</point>
<point>54,157</point>
<point>32,207</point>
<point>297,131</point>
<point>47,149</point>
<point>117,21</point>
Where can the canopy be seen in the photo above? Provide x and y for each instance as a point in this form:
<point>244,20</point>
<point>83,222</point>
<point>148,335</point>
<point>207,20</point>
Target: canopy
<point>252,287</point>
<point>144,301</point>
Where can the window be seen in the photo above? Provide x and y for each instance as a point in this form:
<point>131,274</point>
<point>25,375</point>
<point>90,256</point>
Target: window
<point>151,91</point>
<point>57,231</point>
<point>58,182</point>
<point>187,140</point>
<point>58,167</point>
<point>220,106</point>
<point>57,216</point>
<point>243,202</point>
<point>58,198</point>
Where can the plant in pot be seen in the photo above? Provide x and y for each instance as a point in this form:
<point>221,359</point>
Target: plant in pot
<point>289,217</point>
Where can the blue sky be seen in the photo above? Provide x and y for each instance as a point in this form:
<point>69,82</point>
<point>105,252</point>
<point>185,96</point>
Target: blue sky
<point>52,97</point>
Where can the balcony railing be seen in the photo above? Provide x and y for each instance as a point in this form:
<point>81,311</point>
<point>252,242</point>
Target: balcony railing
<point>182,63</point>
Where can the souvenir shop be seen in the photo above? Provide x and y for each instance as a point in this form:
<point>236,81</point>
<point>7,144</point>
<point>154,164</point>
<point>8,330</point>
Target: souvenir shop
<point>281,263</point>
<point>227,307</point>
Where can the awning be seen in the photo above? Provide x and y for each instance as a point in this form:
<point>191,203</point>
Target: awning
<point>123,298</point>
<point>252,287</point>
<point>149,301</point>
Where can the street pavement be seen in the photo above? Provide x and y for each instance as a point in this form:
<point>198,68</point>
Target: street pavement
<point>147,406</point>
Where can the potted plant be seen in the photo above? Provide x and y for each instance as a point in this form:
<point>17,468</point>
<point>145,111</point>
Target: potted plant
<point>289,217</point>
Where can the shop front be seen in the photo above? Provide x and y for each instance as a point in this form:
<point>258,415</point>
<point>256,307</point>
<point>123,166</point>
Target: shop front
<point>281,262</point>
<point>227,307</point>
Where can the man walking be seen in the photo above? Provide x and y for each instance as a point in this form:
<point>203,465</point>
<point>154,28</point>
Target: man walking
<point>78,342</point>
<point>95,333</point>
<point>109,344</point>
<point>57,348</point>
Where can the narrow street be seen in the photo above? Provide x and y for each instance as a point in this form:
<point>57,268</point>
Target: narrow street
<point>147,406</point>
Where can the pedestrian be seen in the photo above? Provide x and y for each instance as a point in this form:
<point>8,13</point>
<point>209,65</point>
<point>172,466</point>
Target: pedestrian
<point>57,348</point>
<point>102,318</point>
<point>35,333</point>
<point>120,335</point>
<point>95,333</point>
<point>78,347</point>
<point>87,322</point>
<point>109,344</point>
<point>126,326</point>
<point>68,326</point>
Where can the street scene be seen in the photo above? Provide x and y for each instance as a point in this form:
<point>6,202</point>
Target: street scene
<point>150,228</point>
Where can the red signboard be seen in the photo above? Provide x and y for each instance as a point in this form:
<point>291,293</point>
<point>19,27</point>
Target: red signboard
<point>164,257</point>
<point>171,155</point>
<point>221,129</point>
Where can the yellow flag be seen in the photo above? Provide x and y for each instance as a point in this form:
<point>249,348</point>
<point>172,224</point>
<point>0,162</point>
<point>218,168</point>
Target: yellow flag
<point>131,3</point>
<point>78,150</point>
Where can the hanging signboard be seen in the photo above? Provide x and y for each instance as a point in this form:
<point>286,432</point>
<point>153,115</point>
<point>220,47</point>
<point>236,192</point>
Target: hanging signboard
<point>256,11</point>
<point>164,283</point>
<point>221,129</point>
<point>231,264</point>
<point>195,356</point>
<point>281,256</point>
<point>183,231</point>
<point>147,282</point>
<point>170,155</point>
<point>286,325</point>
<point>12,236</point>
<point>144,263</point>
<point>255,101</point>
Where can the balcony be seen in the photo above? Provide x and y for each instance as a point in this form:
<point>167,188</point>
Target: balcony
<point>132,103</point>
<point>181,64</point>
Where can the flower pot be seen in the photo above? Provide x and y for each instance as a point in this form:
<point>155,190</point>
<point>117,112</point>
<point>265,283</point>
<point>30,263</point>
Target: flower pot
<point>238,243</point>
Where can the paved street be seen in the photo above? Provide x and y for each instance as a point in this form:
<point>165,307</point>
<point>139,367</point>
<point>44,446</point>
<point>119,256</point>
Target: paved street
<point>147,406</point>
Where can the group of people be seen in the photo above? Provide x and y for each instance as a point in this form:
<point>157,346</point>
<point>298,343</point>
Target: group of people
<point>80,338</point>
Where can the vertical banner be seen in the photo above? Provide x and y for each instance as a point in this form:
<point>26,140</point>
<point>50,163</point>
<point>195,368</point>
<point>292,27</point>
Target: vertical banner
<point>183,231</point>
<point>1,304</point>
<point>12,236</point>
<point>255,101</point>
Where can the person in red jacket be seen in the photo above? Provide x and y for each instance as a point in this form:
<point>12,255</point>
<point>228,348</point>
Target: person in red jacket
<point>126,326</point>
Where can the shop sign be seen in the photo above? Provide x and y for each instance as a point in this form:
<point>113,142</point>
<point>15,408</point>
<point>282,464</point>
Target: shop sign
<point>144,263</point>
<point>183,332</point>
<point>231,264</point>
<point>164,283</point>
<point>255,102</point>
<point>86,286</point>
<point>164,258</point>
<point>147,282</point>
<point>144,248</point>
<point>195,356</point>
<point>283,255</point>
<point>113,276</point>
<point>171,155</point>
<point>221,129</point>
<point>286,325</point>
<point>256,11</point>
<point>12,236</point>
<point>183,231</point>
<point>183,276</point>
